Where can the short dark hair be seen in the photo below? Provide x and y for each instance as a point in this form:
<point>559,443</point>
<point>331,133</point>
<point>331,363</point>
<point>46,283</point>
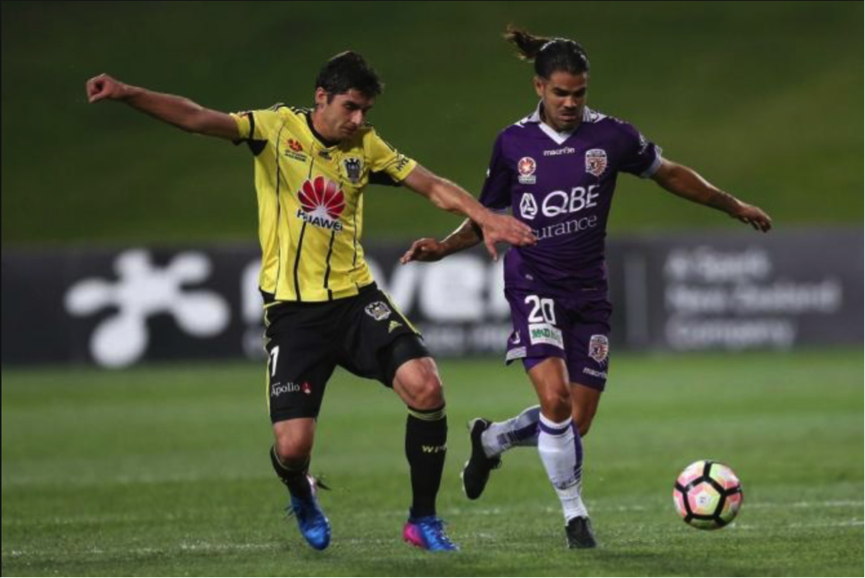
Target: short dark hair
<point>346,71</point>
<point>549,54</point>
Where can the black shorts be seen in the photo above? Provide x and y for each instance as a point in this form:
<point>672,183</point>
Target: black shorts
<point>365,334</point>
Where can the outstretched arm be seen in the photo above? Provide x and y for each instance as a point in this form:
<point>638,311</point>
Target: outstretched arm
<point>428,249</point>
<point>450,197</point>
<point>688,184</point>
<point>175,110</point>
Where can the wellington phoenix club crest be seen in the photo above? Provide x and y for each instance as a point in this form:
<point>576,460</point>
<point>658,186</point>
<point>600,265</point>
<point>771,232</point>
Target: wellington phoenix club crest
<point>352,169</point>
<point>599,348</point>
<point>321,203</point>
<point>378,310</point>
<point>596,162</point>
<point>526,168</point>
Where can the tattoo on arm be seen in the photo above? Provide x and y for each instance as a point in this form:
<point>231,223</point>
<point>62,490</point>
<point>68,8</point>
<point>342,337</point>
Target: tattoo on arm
<point>477,229</point>
<point>467,235</point>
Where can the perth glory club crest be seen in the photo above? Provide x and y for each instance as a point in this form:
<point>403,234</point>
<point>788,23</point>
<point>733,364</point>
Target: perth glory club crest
<point>599,348</point>
<point>596,162</point>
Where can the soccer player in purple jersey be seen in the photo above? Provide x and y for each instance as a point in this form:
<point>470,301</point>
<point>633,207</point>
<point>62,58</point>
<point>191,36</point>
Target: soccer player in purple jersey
<point>556,170</point>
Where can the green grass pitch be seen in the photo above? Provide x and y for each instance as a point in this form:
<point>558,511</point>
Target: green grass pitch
<point>164,470</point>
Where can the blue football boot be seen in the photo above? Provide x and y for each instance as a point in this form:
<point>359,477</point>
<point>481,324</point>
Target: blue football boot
<point>427,533</point>
<point>313,524</point>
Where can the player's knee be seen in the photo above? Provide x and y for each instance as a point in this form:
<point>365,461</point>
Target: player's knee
<point>293,450</point>
<point>556,403</point>
<point>427,392</point>
<point>419,384</point>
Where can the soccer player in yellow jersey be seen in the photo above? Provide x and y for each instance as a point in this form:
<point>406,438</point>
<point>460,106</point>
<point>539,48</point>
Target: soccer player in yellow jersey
<point>322,308</point>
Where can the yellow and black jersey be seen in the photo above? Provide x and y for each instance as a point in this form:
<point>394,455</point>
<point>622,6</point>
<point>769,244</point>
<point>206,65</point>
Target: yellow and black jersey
<point>310,202</point>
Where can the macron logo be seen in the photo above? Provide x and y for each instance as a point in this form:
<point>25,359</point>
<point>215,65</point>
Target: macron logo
<point>561,151</point>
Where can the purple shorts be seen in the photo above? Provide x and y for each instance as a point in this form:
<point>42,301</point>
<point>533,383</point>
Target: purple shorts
<point>575,329</point>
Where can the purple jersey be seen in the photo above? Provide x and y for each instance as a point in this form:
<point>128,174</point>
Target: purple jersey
<point>561,185</point>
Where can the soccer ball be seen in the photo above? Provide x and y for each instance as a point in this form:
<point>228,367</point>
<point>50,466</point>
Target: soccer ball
<point>707,495</point>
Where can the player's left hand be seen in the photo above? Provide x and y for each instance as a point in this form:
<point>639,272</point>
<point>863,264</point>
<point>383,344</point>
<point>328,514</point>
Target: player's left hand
<point>754,216</point>
<point>426,250</point>
<point>505,228</point>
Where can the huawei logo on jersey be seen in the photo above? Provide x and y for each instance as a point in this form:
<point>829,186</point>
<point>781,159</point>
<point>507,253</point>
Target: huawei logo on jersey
<point>321,203</point>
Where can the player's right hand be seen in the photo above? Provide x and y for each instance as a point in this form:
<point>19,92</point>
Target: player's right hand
<point>425,250</point>
<point>105,87</point>
<point>505,228</point>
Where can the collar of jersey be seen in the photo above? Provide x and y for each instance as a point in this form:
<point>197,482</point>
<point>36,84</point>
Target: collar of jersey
<point>558,137</point>
<point>321,140</point>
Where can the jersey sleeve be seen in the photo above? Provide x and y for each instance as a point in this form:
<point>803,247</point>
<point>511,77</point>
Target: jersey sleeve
<point>386,160</point>
<point>640,157</point>
<point>497,186</point>
<point>254,127</point>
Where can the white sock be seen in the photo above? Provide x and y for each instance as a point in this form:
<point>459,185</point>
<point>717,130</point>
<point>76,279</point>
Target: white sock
<point>521,430</point>
<point>562,454</point>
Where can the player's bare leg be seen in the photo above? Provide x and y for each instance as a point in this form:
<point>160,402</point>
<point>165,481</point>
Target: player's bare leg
<point>290,456</point>
<point>293,440</point>
<point>584,401</point>
<point>418,384</point>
